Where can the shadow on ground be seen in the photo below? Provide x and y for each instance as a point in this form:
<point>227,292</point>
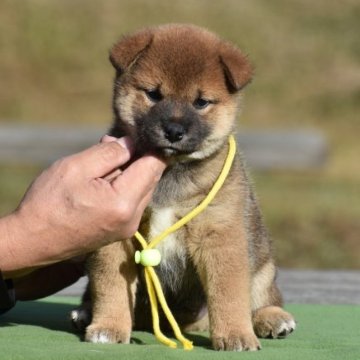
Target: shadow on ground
<point>50,315</point>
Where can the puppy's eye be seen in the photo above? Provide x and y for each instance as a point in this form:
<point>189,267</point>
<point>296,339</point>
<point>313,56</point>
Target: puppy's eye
<point>201,103</point>
<point>154,95</point>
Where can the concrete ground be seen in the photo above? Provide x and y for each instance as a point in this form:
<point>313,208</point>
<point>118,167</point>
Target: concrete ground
<point>298,286</point>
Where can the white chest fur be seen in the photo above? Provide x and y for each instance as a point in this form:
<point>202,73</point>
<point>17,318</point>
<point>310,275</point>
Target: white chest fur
<point>171,247</point>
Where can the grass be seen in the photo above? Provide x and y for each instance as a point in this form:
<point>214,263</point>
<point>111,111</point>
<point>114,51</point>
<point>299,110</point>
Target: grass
<point>40,330</point>
<point>54,69</point>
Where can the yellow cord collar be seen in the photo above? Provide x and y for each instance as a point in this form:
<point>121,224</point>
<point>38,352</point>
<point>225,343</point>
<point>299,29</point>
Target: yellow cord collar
<point>150,257</point>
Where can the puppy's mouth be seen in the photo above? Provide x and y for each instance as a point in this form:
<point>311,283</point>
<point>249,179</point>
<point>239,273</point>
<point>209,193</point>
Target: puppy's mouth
<point>172,151</point>
<point>155,139</point>
<point>169,151</point>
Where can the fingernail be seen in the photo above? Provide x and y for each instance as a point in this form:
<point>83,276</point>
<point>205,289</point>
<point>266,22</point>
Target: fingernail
<point>107,138</point>
<point>126,143</point>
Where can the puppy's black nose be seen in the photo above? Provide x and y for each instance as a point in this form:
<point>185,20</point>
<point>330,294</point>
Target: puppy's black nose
<point>174,131</point>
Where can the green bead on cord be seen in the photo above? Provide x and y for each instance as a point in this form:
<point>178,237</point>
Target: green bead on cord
<point>148,257</point>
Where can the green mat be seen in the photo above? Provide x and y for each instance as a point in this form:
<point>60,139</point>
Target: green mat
<point>40,330</point>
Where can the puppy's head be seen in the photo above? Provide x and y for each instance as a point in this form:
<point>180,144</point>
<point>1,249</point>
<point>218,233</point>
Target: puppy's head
<point>177,89</point>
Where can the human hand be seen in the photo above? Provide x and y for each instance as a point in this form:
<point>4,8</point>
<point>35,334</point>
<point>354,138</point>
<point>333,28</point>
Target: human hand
<point>80,203</point>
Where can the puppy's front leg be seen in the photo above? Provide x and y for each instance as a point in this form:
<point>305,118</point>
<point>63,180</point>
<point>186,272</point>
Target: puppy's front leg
<point>112,274</point>
<point>222,262</point>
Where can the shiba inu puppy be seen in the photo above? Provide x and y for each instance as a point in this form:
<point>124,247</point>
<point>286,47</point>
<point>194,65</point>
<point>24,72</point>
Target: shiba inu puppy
<point>176,93</point>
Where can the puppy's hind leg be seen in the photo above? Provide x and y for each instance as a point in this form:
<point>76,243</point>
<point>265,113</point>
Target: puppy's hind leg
<point>80,317</point>
<point>272,322</point>
<point>269,319</point>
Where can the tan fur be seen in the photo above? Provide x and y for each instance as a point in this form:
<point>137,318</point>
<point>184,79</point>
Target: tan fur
<point>226,248</point>
<point>113,300</point>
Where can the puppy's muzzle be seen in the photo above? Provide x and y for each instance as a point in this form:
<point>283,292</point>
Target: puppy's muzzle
<point>170,128</point>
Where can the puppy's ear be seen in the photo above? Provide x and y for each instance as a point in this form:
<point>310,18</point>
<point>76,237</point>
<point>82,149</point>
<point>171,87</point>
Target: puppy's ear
<point>237,68</point>
<point>128,50</point>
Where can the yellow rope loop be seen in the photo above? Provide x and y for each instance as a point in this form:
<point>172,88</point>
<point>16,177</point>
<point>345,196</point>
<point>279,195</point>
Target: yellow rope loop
<point>187,344</point>
<point>152,281</point>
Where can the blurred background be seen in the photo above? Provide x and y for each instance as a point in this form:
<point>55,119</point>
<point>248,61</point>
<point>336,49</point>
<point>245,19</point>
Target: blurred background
<point>54,71</point>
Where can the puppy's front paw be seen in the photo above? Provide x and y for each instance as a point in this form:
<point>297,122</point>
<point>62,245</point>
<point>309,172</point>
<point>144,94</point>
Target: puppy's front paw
<point>273,322</point>
<point>236,341</point>
<point>106,335</point>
